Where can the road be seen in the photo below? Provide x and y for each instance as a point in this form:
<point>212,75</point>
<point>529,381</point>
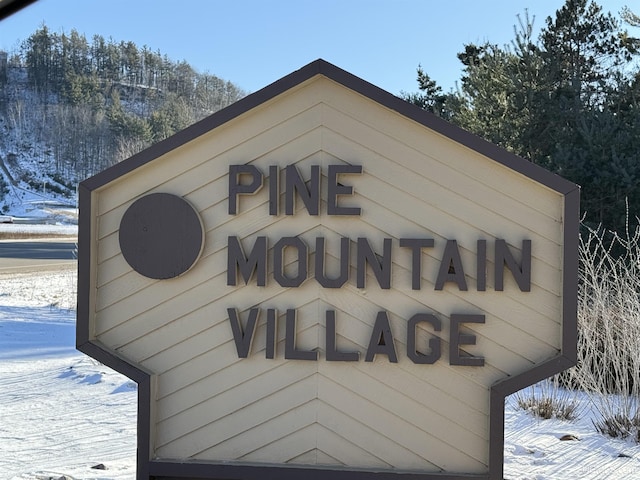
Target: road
<point>29,256</point>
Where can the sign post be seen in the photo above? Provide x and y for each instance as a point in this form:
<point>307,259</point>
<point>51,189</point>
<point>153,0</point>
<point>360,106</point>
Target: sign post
<point>324,281</point>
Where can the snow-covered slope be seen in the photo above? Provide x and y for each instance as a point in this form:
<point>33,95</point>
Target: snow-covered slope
<point>28,186</point>
<point>62,413</point>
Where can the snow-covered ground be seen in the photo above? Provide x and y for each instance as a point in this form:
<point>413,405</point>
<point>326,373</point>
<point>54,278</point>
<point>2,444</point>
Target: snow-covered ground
<point>538,449</point>
<point>50,212</point>
<point>62,413</point>
<point>35,230</point>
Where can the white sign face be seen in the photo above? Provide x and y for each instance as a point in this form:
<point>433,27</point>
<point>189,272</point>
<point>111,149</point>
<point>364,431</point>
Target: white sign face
<point>322,280</point>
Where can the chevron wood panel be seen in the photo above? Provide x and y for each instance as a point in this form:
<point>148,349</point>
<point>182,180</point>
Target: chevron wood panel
<point>211,405</point>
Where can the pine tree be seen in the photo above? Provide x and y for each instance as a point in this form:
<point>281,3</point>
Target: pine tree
<point>567,100</point>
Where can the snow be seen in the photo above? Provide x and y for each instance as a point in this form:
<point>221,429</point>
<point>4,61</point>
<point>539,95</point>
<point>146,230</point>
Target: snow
<point>35,229</point>
<point>534,449</point>
<point>37,210</point>
<point>63,413</point>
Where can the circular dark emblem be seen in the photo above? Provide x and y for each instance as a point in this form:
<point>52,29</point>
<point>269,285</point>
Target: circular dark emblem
<point>161,236</point>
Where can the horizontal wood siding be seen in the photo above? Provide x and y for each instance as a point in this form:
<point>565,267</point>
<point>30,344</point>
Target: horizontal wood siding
<point>212,405</point>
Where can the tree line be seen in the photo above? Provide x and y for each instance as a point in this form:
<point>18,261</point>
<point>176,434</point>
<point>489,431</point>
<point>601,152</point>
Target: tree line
<point>567,98</point>
<point>80,106</point>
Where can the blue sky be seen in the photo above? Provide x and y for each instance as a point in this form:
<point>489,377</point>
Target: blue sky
<point>255,42</point>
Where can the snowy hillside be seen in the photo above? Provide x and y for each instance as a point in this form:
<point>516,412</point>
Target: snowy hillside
<point>64,416</point>
<point>28,181</point>
<point>29,204</point>
<point>71,107</point>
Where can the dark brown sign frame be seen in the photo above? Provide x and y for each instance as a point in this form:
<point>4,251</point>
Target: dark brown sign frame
<point>154,469</point>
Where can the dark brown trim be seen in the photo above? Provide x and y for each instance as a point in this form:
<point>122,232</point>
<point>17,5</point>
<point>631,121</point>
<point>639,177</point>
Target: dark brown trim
<point>83,307</point>
<point>570,280</point>
<point>173,470</point>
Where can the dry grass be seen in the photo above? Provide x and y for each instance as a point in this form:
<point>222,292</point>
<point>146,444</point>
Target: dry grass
<point>548,399</point>
<point>619,426</point>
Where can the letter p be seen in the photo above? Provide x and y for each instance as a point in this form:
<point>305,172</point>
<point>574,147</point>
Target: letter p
<point>237,187</point>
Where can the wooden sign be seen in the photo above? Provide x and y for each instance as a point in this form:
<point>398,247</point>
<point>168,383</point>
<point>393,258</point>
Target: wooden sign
<point>324,281</point>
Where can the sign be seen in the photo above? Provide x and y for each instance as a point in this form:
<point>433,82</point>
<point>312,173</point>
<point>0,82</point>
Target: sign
<point>324,281</point>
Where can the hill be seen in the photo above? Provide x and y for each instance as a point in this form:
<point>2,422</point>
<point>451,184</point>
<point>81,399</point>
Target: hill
<point>70,108</point>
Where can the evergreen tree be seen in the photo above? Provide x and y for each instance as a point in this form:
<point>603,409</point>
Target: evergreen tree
<point>90,105</point>
<point>38,53</point>
<point>566,100</point>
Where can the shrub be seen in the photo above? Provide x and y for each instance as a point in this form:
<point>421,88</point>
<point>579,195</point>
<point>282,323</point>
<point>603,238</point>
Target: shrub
<point>548,399</point>
<point>608,367</point>
<point>609,330</point>
<point>619,426</point>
